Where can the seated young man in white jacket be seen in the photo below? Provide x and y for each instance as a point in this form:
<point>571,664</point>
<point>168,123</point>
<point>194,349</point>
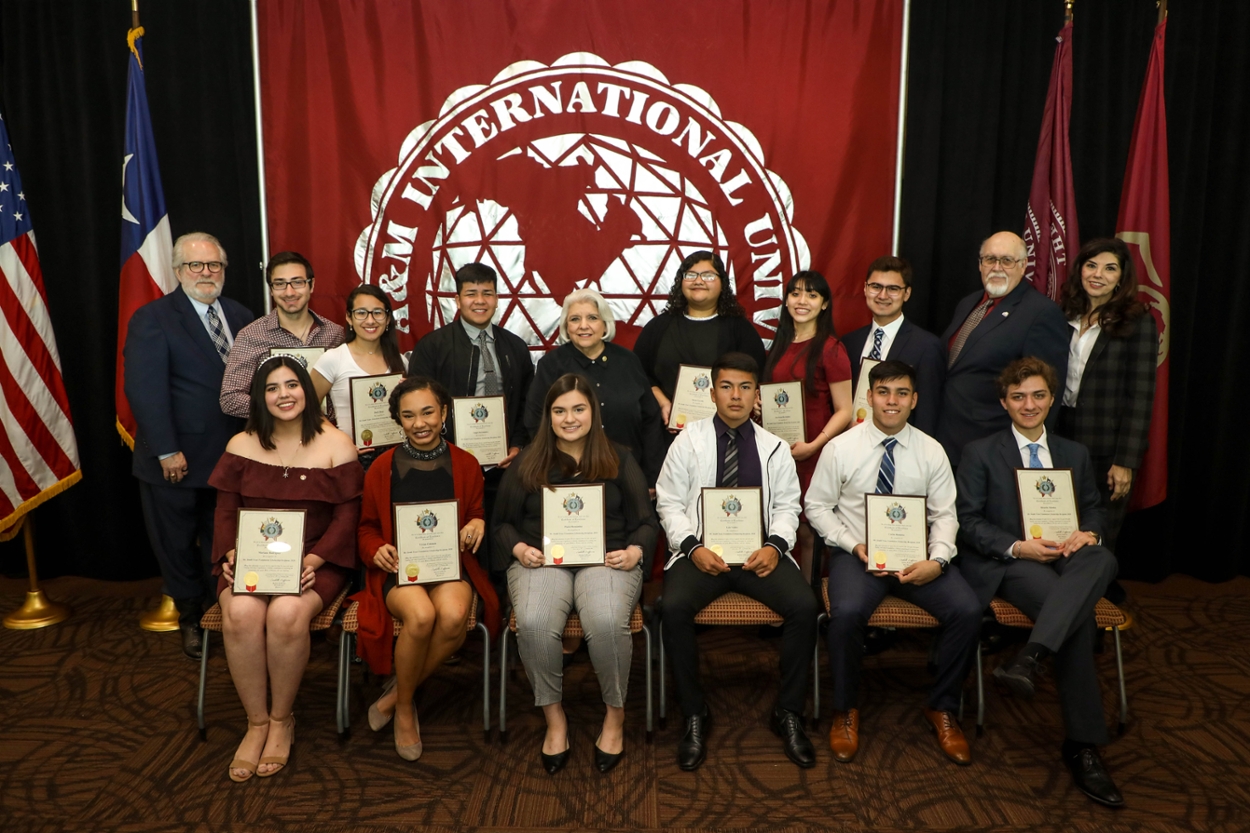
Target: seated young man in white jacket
<point>730,450</point>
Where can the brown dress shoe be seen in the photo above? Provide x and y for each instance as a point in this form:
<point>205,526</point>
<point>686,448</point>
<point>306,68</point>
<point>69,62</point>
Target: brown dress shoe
<point>950,736</point>
<point>844,736</point>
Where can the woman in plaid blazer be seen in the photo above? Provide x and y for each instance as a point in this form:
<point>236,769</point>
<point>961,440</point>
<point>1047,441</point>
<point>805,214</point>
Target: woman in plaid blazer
<point>1109,393</point>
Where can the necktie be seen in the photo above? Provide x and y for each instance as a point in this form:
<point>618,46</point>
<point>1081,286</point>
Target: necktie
<point>730,476</point>
<point>1035,462</point>
<point>876,344</point>
<point>217,334</point>
<point>885,477</point>
<point>491,379</point>
<point>970,324</point>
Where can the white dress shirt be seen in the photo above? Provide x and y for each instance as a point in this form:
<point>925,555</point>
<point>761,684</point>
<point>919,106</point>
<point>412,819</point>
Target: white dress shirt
<point>848,469</point>
<point>202,311</point>
<point>1043,453</point>
<point>890,331</point>
<point>1081,346</point>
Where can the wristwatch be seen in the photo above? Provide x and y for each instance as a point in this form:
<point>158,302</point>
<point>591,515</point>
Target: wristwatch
<point>945,562</point>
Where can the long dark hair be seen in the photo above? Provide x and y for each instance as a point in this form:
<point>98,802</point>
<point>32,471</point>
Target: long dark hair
<point>813,282</point>
<point>388,341</point>
<point>599,460</point>
<point>1117,315</point>
<point>726,304</point>
<point>260,421</point>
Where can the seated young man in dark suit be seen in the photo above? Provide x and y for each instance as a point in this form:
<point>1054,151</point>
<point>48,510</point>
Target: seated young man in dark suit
<point>892,336</point>
<point>1055,583</point>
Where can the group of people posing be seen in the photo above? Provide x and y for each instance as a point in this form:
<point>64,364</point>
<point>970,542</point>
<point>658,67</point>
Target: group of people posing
<point>227,421</point>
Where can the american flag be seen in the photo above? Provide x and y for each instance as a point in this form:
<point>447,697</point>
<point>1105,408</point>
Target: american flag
<point>38,452</point>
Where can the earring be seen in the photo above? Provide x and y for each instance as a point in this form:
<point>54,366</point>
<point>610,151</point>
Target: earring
<point>444,430</point>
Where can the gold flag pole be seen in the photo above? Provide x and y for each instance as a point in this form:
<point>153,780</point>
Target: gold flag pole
<point>1163,10</point>
<point>36,611</point>
<point>1067,11</point>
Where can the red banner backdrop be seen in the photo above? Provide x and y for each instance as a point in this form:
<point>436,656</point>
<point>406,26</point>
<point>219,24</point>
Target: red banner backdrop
<point>576,144</point>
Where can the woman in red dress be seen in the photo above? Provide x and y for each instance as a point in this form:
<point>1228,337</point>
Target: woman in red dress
<point>807,349</point>
<point>288,457</point>
<point>425,468</point>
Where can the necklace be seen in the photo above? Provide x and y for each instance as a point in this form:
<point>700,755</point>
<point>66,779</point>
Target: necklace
<point>286,469</point>
<point>433,454</point>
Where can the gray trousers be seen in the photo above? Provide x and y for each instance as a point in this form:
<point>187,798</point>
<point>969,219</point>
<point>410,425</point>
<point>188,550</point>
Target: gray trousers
<point>604,599</point>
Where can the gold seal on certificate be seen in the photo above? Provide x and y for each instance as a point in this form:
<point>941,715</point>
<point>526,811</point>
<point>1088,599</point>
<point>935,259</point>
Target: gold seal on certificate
<point>269,552</point>
<point>1047,504</point>
<point>574,525</point>
<point>861,411</point>
<point>692,398</point>
<point>372,426</point>
<point>427,537</point>
<point>782,412</point>
<point>481,427</point>
<point>898,531</point>
<point>733,521</point>
<point>309,355</point>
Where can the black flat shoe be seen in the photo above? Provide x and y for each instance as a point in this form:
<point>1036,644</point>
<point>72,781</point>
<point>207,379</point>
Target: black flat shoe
<point>192,642</point>
<point>605,761</point>
<point>1091,777</point>
<point>788,726</point>
<point>692,748</point>
<point>555,763</point>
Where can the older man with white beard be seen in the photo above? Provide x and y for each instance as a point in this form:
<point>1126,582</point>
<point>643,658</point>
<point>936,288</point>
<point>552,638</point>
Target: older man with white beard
<point>1005,320</point>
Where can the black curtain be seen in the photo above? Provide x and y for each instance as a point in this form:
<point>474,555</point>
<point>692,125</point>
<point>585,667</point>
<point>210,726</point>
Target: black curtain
<point>63,98</point>
<point>979,71</point>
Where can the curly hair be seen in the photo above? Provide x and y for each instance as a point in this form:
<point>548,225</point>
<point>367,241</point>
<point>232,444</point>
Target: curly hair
<point>727,304</point>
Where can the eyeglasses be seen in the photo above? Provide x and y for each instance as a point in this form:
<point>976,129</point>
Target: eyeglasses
<point>889,289</point>
<point>294,283</point>
<point>1006,262</point>
<point>706,277</point>
<point>378,314</point>
<point>198,266</point>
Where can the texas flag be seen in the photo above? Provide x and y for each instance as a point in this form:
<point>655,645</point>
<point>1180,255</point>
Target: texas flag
<point>147,249</point>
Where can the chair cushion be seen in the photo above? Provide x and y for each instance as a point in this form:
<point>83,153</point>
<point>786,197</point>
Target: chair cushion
<point>893,612</point>
<point>1106,615</point>
<point>737,609</point>
<point>211,621</point>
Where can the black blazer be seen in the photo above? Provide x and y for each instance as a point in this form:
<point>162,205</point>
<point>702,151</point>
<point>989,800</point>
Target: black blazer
<point>448,356</point>
<point>1024,323</point>
<point>1116,400</point>
<point>918,348</point>
<point>173,383</point>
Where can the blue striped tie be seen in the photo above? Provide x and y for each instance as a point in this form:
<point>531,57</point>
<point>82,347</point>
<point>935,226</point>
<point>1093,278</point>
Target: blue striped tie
<point>877,338</point>
<point>1035,462</point>
<point>885,477</point>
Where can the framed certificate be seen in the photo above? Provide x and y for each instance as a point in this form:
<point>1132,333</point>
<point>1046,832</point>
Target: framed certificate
<point>481,427</point>
<point>861,411</point>
<point>308,354</point>
<point>692,398</point>
<point>733,521</point>
<point>370,397</point>
<point>427,537</point>
<point>574,525</point>
<point>269,552</point>
<point>898,531</point>
<point>1047,504</point>
<point>782,411</point>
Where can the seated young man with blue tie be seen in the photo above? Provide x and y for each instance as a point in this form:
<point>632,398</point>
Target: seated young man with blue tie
<point>888,456</point>
<point>730,450</point>
<point>1055,583</point>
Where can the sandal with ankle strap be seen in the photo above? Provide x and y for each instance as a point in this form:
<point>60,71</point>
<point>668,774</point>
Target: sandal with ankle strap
<point>249,766</point>
<point>274,759</point>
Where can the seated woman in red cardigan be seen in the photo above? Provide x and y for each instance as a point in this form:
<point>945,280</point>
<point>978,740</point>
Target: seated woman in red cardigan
<point>424,468</point>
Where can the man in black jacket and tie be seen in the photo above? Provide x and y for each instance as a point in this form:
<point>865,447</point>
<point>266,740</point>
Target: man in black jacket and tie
<point>1055,583</point>
<point>891,336</point>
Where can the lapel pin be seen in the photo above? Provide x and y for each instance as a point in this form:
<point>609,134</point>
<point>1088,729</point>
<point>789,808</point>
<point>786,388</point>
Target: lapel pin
<point>1006,313</point>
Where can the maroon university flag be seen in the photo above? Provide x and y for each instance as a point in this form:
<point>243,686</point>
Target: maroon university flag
<point>572,144</point>
<point>1050,223</point>
<point>1145,224</point>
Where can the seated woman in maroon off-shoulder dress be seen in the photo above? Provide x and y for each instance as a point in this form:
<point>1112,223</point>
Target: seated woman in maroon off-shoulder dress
<point>288,457</point>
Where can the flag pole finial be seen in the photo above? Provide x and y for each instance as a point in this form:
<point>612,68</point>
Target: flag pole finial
<point>1067,11</point>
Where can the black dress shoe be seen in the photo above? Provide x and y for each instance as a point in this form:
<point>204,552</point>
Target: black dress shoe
<point>555,763</point>
<point>1092,778</point>
<point>788,726</point>
<point>692,748</point>
<point>605,761</point>
<point>1019,675</point>
<point>192,642</point>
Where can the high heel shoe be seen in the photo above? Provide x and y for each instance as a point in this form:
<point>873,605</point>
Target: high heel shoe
<point>250,766</point>
<point>281,761</point>
<point>555,763</point>
<point>413,750</point>
<point>378,720</point>
<point>605,761</point>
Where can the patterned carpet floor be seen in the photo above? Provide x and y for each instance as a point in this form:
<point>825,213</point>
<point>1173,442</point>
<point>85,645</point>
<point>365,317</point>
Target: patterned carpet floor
<point>97,732</point>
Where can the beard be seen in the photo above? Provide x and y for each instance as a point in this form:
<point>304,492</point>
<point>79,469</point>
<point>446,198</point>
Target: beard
<point>997,285</point>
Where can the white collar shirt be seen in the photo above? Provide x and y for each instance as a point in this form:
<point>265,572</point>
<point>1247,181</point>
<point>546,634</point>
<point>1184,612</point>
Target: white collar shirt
<point>1079,348</point>
<point>889,332</point>
<point>1043,452</point>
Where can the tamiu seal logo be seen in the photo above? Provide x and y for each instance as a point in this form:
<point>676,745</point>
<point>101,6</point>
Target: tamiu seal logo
<point>578,174</point>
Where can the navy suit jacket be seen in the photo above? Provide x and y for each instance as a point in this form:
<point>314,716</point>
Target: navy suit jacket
<point>173,382</point>
<point>989,511</point>
<point>918,348</point>
<point>1024,323</point>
